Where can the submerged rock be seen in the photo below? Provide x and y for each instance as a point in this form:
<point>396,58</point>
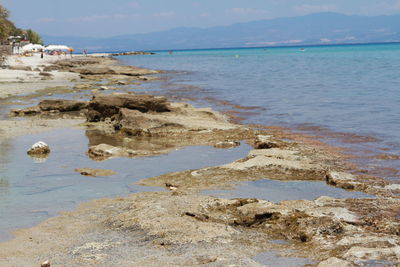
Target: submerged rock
<point>227,144</point>
<point>94,172</point>
<point>334,262</point>
<point>39,148</point>
<point>103,151</point>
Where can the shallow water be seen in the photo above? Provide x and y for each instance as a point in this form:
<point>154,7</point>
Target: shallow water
<point>272,258</point>
<point>348,90</point>
<point>32,191</point>
<point>277,191</point>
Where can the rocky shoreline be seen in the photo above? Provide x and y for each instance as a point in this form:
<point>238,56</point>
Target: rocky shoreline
<point>183,227</point>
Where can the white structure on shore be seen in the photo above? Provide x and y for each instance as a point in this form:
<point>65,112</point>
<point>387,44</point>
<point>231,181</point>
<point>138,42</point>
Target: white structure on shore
<point>32,48</point>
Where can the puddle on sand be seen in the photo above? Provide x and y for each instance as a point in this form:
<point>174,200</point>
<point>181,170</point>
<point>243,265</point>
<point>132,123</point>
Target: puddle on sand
<point>31,192</point>
<point>272,258</point>
<point>277,191</point>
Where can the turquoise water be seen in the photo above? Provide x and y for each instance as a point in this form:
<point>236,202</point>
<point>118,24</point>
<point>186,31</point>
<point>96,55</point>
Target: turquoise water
<point>347,91</point>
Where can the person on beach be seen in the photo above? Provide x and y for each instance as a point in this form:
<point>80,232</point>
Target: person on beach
<point>70,51</point>
<point>41,54</point>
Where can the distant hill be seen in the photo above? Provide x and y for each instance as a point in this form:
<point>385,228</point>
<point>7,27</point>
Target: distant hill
<point>320,28</point>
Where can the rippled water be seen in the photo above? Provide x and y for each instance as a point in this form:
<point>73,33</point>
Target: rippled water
<point>352,90</point>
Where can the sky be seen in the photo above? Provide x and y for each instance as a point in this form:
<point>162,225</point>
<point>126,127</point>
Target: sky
<point>105,18</point>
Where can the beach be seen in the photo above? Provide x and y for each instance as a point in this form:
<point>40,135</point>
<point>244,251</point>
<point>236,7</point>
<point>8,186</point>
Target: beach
<point>177,224</point>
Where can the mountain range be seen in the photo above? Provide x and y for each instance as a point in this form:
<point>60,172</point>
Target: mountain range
<point>319,28</point>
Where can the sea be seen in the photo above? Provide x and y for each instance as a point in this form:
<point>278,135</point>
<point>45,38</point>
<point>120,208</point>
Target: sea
<point>346,96</point>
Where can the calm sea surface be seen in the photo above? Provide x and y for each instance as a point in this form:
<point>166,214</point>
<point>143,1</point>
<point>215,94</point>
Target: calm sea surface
<point>353,90</point>
<point>350,90</point>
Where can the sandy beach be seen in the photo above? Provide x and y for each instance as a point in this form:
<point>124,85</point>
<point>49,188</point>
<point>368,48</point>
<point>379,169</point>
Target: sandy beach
<point>180,225</point>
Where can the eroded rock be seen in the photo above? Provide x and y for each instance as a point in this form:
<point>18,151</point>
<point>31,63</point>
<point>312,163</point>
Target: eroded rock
<point>51,106</point>
<point>266,142</point>
<point>362,253</point>
<point>134,123</point>
<point>106,106</point>
<point>61,105</point>
<point>342,180</point>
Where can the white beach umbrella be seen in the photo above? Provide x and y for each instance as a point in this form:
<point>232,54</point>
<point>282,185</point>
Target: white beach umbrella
<point>32,47</point>
<point>56,47</point>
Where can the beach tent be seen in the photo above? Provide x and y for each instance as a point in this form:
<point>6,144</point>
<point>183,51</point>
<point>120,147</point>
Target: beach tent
<point>56,47</point>
<point>32,48</point>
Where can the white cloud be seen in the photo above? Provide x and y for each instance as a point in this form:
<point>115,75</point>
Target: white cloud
<point>305,9</point>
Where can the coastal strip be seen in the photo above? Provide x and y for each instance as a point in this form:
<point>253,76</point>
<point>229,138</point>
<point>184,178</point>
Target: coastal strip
<point>182,226</point>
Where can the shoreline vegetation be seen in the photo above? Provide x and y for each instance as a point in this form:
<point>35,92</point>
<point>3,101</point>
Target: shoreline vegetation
<point>179,225</point>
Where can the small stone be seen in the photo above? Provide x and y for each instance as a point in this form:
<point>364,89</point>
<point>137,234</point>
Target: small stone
<point>39,148</point>
<point>45,264</point>
<point>121,83</point>
<point>102,88</point>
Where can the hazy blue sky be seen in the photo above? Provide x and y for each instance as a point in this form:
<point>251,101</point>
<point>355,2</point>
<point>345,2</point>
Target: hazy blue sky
<point>116,17</point>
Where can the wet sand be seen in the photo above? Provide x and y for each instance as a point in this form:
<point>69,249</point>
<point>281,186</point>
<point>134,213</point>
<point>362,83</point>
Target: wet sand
<point>183,227</point>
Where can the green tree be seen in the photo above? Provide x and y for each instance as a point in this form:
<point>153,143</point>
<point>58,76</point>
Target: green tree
<point>34,37</point>
<point>6,26</point>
